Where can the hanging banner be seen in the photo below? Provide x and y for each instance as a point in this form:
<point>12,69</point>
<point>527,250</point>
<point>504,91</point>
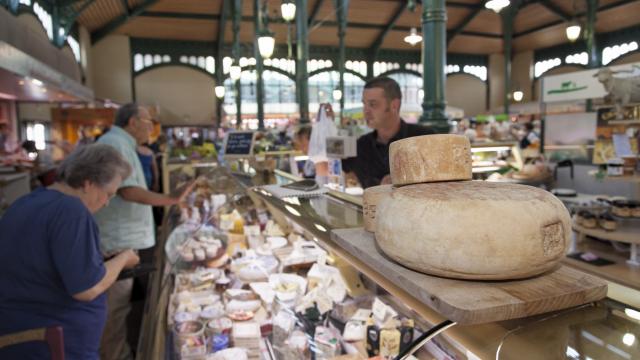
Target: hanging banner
<point>622,80</point>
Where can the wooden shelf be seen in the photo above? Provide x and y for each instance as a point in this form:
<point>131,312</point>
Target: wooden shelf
<point>475,302</point>
<point>627,232</point>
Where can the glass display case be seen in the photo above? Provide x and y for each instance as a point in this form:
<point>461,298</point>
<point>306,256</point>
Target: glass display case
<point>603,330</point>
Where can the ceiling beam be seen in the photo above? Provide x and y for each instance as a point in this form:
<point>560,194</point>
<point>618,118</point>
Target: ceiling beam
<point>181,15</point>
<point>375,46</point>
<point>125,6</point>
<point>458,29</point>
<point>558,22</point>
<point>315,11</point>
<point>481,34</point>
<point>354,25</point>
<point>119,21</point>
<point>556,10</point>
<point>457,4</point>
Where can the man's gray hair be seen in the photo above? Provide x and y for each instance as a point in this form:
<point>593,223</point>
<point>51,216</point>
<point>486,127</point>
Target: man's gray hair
<point>125,113</point>
<point>96,163</point>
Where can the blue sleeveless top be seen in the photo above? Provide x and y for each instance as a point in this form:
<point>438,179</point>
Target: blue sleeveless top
<point>146,161</point>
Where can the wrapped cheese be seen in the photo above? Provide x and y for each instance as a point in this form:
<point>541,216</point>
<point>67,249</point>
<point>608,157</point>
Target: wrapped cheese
<point>370,200</point>
<point>473,229</point>
<point>430,158</point>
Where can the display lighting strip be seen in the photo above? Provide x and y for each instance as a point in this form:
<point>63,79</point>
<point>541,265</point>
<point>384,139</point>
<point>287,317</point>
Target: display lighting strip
<point>380,67</point>
<point>489,149</point>
<point>73,44</point>
<point>358,66</point>
<point>47,22</point>
<point>611,53</point>
<point>45,19</point>
<point>478,71</point>
<point>450,69</point>
<point>579,58</point>
<point>542,67</point>
<point>414,67</point>
<point>141,61</point>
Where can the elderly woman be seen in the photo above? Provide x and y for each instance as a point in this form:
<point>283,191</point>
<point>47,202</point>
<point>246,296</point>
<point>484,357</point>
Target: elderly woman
<point>51,270</point>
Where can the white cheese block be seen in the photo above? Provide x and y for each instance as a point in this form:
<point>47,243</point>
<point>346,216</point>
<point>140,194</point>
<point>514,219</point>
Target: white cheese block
<point>430,158</point>
<point>473,229</point>
<point>370,200</point>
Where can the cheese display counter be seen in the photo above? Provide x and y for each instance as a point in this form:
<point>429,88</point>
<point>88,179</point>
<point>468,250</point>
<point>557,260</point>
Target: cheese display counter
<point>245,274</point>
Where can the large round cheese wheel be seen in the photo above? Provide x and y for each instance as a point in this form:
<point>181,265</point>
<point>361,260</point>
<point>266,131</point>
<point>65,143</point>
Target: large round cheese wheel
<point>473,229</point>
<point>430,158</point>
<point>370,200</point>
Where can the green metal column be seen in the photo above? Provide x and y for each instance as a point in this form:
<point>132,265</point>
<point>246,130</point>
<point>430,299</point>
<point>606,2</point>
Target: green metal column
<point>13,5</point>
<point>341,14</point>
<point>258,27</point>
<point>590,35</point>
<point>237,17</point>
<point>434,61</point>
<point>302,55</point>
<point>219,55</point>
<point>507,37</point>
<point>55,24</point>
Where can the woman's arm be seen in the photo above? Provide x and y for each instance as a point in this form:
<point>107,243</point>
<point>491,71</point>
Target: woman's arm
<point>125,259</point>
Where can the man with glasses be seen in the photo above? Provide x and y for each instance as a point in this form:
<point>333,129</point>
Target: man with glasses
<point>127,222</point>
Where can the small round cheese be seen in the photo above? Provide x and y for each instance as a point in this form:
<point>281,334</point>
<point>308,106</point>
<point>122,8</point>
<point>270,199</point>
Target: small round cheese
<point>370,200</point>
<point>473,229</point>
<point>430,158</point>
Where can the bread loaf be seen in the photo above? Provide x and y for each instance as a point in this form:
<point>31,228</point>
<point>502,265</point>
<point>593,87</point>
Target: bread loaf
<point>473,229</point>
<point>430,158</point>
<point>370,200</point>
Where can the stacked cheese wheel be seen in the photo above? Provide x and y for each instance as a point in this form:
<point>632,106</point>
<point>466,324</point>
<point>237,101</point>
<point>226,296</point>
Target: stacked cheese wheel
<point>435,220</point>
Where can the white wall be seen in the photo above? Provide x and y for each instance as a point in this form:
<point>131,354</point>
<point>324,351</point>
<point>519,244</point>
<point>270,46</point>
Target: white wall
<point>522,74</point>
<point>111,69</point>
<point>496,82</point>
<point>468,93</point>
<point>182,95</point>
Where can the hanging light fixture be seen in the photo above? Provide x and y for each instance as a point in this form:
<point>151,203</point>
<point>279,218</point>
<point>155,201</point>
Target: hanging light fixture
<point>496,5</point>
<point>573,31</point>
<point>337,94</point>
<point>220,90</point>
<point>266,44</point>
<point>288,10</point>
<point>235,71</point>
<point>413,38</point>
<point>518,95</point>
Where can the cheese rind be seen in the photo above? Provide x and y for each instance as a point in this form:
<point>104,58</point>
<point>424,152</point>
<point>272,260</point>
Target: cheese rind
<point>372,196</point>
<point>430,158</point>
<point>473,229</point>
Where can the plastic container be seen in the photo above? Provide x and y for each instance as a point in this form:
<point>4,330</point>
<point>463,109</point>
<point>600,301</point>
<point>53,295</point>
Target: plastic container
<point>189,339</point>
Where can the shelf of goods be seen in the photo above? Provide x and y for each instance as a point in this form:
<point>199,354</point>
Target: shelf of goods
<point>297,289</point>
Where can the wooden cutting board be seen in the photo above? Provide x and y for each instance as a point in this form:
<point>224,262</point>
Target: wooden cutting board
<point>474,302</point>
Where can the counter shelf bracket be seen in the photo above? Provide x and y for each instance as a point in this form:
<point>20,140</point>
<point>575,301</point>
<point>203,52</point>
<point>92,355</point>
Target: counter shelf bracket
<point>425,338</point>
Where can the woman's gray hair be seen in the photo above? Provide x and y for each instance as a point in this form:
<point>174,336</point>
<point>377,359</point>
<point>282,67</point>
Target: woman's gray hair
<point>96,163</point>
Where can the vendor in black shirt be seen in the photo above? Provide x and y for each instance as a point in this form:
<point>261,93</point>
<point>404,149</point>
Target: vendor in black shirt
<point>381,101</point>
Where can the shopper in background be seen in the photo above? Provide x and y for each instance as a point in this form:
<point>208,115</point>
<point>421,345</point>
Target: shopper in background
<point>301,143</point>
<point>381,101</point>
<point>51,269</point>
<point>127,222</point>
<point>529,137</point>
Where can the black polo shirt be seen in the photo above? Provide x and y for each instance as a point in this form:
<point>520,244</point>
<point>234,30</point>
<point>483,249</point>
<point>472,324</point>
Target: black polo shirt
<point>372,162</point>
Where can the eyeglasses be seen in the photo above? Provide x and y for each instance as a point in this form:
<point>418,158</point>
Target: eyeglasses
<point>147,121</point>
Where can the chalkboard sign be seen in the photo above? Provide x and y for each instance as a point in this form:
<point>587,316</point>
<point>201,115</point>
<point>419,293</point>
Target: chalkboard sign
<point>239,144</point>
